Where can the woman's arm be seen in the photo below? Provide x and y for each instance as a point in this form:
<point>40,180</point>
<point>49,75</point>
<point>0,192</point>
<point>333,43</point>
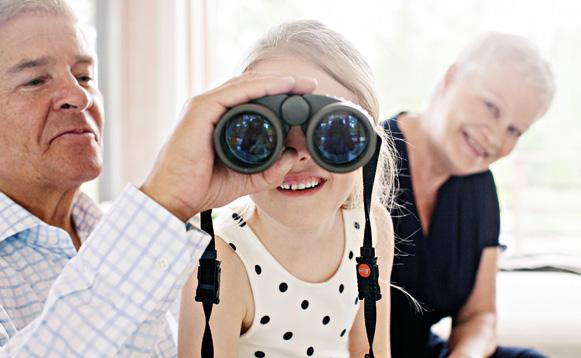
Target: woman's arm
<point>227,317</point>
<point>474,328</point>
<point>358,345</point>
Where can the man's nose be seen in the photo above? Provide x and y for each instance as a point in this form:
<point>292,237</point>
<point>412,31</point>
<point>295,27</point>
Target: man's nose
<point>296,139</point>
<point>71,96</point>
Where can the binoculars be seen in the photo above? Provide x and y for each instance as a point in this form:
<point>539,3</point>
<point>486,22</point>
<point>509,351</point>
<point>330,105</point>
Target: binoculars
<point>250,138</point>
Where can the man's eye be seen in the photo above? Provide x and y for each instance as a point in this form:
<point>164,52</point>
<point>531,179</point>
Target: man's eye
<point>84,79</point>
<point>36,82</point>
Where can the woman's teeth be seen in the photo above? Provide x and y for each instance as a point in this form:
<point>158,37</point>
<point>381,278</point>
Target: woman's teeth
<point>301,186</point>
<point>477,146</point>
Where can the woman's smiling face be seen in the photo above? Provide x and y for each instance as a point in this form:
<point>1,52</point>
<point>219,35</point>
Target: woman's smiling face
<point>478,117</point>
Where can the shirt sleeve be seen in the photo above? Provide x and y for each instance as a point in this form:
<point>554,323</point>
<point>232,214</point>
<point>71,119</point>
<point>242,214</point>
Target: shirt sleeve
<point>131,268</point>
<point>490,211</point>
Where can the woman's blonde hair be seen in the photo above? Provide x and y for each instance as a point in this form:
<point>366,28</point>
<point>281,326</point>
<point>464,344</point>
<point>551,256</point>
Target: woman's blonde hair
<point>335,55</point>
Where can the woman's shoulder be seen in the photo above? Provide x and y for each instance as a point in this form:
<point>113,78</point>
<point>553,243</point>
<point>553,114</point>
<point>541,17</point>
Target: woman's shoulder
<point>390,125</point>
<point>483,182</point>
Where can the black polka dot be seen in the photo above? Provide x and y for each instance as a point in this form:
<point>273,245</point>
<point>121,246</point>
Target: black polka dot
<point>341,288</point>
<point>356,301</point>
<point>232,246</point>
<point>264,320</point>
<point>283,287</point>
<point>343,332</point>
<point>305,304</point>
<point>235,216</point>
<point>259,354</point>
<point>357,226</point>
<point>310,351</point>
<point>326,319</point>
<point>350,255</point>
<point>258,269</point>
<point>287,336</point>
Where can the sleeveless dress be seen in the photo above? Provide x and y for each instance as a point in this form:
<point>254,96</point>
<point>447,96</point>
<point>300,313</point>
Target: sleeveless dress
<point>439,270</point>
<point>294,318</point>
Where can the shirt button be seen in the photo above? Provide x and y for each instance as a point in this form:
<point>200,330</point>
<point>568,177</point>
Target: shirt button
<point>162,263</point>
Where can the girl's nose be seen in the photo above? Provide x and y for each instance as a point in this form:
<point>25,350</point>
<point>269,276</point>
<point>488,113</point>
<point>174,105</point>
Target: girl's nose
<point>296,139</point>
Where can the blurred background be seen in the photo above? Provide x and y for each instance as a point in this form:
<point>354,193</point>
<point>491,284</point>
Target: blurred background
<point>154,54</point>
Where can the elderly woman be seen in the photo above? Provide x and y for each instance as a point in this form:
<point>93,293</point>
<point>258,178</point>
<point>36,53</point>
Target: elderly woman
<point>446,219</point>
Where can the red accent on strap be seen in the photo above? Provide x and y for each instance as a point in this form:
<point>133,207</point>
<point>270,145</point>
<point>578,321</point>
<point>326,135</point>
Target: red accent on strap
<point>364,270</point>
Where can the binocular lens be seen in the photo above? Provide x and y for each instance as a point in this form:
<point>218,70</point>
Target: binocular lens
<point>340,138</point>
<point>250,138</point>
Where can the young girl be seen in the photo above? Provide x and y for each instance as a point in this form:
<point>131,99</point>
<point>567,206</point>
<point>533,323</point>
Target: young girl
<point>288,285</point>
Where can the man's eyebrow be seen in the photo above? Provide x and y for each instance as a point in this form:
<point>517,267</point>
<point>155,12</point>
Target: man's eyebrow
<point>85,60</point>
<point>27,64</point>
<point>44,61</point>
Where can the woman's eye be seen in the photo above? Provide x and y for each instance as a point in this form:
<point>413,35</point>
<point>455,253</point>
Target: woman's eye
<point>492,108</point>
<point>514,131</point>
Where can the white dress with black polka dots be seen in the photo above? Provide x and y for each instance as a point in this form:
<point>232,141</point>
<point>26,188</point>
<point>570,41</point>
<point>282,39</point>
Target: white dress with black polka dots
<point>294,318</point>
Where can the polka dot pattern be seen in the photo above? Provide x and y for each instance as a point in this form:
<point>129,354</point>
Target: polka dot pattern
<point>293,317</point>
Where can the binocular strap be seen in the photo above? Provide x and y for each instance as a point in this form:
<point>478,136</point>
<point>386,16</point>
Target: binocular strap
<point>367,269</point>
<point>208,288</point>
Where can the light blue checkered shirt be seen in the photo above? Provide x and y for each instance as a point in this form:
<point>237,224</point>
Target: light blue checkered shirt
<point>110,299</point>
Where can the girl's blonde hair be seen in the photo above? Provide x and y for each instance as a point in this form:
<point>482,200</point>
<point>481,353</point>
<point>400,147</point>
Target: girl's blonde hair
<point>335,55</point>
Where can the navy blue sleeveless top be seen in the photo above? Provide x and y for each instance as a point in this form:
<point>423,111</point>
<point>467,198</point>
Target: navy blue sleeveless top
<point>438,270</point>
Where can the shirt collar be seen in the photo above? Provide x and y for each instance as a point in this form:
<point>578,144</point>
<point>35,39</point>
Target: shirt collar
<point>15,219</point>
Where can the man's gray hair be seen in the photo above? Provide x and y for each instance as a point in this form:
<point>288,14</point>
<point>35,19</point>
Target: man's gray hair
<point>10,9</point>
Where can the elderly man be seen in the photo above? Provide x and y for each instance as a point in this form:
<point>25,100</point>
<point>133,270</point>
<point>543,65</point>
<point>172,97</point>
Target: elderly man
<point>110,298</point>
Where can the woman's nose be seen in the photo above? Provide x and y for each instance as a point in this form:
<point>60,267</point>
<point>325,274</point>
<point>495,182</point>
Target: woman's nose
<point>296,139</point>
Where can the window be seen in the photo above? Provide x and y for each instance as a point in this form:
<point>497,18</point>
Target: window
<point>409,44</point>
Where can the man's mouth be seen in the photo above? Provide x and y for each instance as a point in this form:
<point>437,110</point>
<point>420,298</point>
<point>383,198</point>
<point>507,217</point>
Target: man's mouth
<point>75,132</point>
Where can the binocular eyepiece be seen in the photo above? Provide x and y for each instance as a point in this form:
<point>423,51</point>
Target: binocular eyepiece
<point>250,138</point>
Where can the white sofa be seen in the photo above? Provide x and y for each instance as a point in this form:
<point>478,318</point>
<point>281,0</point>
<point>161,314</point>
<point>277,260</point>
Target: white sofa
<point>537,309</point>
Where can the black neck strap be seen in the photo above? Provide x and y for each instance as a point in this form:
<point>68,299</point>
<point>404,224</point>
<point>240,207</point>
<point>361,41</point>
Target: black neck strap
<point>367,269</point>
<point>208,290</point>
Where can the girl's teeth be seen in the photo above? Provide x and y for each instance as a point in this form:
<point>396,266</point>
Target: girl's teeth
<point>301,186</point>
